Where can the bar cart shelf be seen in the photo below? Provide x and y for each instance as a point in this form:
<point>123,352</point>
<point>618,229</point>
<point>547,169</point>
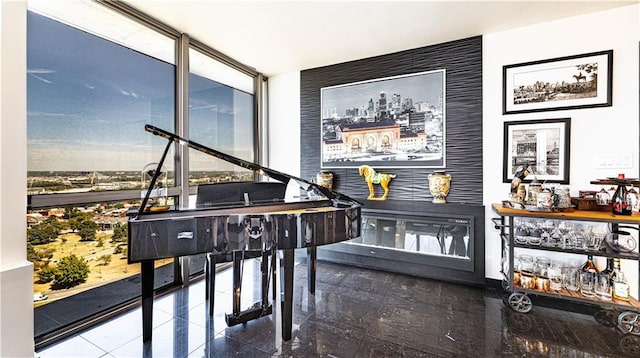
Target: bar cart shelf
<point>628,320</point>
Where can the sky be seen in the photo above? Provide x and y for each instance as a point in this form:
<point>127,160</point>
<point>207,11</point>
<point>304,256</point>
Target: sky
<point>88,100</point>
<point>426,87</point>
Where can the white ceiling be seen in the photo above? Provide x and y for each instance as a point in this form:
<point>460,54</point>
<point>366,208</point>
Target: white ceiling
<point>278,37</point>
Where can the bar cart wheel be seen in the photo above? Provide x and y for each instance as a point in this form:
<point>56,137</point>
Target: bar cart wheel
<point>629,322</point>
<point>630,345</point>
<point>520,302</point>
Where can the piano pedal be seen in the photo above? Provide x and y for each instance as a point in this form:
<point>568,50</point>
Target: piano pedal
<point>256,311</point>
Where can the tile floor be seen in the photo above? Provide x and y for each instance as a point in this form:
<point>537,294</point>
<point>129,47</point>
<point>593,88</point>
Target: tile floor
<point>355,312</point>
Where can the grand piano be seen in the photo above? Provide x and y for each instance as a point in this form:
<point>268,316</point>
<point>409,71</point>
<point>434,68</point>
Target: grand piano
<point>235,221</point>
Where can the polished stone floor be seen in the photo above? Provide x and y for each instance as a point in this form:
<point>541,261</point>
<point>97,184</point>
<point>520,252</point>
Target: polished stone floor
<point>355,312</point>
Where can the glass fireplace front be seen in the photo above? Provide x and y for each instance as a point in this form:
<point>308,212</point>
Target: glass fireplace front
<point>444,242</point>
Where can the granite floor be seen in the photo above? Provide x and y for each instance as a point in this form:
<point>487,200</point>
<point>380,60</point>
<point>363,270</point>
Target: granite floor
<point>355,312</point>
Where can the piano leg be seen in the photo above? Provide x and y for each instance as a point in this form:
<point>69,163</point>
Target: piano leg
<point>287,297</point>
<point>210,281</point>
<point>147,277</point>
<point>237,282</point>
<point>274,258</point>
<point>264,267</point>
<point>312,265</point>
<point>181,269</point>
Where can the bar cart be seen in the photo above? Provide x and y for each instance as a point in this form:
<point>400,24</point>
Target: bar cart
<point>628,320</point>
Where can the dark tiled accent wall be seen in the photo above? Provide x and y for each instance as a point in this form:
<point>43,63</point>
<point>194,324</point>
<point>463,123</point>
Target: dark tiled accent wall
<point>462,60</point>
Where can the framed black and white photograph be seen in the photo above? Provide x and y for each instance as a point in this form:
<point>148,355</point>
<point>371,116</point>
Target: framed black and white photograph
<point>579,81</point>
<point>391,122</point>
<point>544,145</point>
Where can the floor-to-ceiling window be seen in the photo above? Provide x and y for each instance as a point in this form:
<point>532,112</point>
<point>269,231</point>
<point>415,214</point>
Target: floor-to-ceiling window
<point>96,75</point>
<point>221,112</point>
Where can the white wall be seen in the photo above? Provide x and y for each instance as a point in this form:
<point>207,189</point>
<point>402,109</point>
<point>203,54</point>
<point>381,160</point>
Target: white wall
<point>284,123</point>
<point>16,273</point>
<point>591,129</point>
<point>594,132</point>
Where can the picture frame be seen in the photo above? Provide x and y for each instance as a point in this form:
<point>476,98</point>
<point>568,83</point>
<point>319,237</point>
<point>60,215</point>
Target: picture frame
<point>571,82</point>
<point>389,122</point>
<point>522,143</point>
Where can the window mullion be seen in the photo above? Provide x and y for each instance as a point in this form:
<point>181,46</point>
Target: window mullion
<point>182,118</point>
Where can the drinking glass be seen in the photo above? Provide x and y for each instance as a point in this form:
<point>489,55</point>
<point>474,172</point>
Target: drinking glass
<point>567,236</point>
<point>593,240</point>
<point>603,287</point>
<point>587,283</point>
<point>571,278</point>
<point>555,276</point>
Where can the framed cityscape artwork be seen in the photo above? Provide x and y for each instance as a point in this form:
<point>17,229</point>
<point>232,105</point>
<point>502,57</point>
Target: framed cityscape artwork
<point>391,122</point>
<point>544,145</point>
<point>579,81</point>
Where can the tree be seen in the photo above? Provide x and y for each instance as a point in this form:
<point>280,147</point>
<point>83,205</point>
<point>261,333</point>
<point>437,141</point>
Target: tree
<point>55,223</point>
<point>71,271</point>
<point>31,253</point>
<point>119,249</point>
<point>70,213</point>
<point>39,257</point>
<point>42,233</point>
<point>78,219</point>
<point>47,274</point>
<point>105,259</point>
<point>74,224</point>
<point>87,230</point>
<point>119,232</point>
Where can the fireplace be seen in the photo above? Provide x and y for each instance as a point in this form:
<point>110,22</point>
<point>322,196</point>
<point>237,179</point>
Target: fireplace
<point>441,241</point>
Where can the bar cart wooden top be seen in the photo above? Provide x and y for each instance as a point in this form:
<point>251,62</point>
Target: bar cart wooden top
<point>568,214</point>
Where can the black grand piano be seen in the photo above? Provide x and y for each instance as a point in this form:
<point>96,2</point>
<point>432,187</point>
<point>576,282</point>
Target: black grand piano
<point>235,221</point>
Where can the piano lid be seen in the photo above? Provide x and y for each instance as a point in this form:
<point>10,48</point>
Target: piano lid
<point>296,189</point>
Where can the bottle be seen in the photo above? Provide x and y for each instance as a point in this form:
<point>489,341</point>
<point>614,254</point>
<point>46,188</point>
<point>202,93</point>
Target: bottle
<point>619,201</point>
<point>619,283</point>
<point>615,269</point>
<point>609,269</point>
<point>604,283</point>
<point>589,265</point>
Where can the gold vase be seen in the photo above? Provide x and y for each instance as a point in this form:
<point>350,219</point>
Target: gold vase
<point>325,178</point>
<point>439,185</point>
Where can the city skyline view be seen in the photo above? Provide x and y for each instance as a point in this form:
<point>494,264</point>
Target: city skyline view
<point>421,87</point>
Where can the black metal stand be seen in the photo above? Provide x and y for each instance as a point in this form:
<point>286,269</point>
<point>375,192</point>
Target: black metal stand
<point>259,309</point>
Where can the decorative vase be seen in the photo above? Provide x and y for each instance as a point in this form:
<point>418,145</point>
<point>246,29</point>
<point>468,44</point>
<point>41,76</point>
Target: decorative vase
<point>325,178</point>
<point>439,185</point>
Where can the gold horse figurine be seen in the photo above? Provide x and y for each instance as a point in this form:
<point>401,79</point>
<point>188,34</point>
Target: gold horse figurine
<point>371,177</point>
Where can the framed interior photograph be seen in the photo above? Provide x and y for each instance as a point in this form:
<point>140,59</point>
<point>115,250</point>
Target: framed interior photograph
<point>392,122</point>
<point>579,81</point>
<point>544,145</point>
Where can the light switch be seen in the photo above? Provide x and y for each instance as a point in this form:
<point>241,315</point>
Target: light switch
<point>613,161</point>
